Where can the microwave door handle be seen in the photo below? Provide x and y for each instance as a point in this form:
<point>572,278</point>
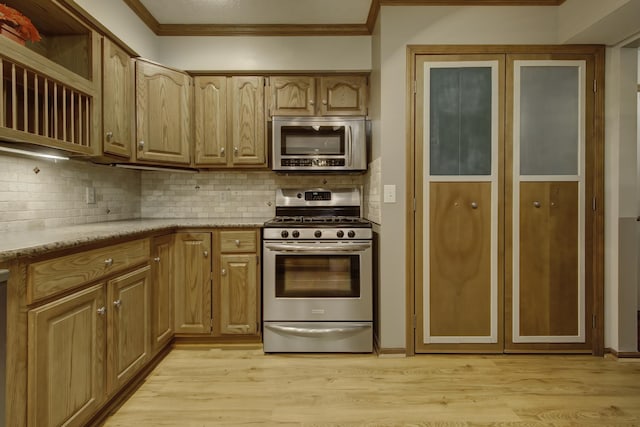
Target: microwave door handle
<point>350,145</point>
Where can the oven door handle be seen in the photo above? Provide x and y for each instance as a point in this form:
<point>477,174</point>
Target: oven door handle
<point>282,247</point>
<point>306,331</point>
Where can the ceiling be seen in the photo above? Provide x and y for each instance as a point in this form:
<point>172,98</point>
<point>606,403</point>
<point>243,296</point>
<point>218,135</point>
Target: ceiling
<point>281,17</point>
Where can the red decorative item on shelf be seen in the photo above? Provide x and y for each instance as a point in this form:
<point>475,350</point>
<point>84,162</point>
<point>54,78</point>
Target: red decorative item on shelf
<point>16,26</point>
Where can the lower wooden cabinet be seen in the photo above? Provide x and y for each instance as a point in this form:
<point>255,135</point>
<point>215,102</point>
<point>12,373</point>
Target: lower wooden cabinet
<point>66,362</point>
<point>162,296</point>
<point>217,290</point>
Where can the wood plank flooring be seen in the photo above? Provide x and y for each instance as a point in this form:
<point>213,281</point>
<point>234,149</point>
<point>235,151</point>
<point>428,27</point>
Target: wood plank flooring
<point>241,386</point>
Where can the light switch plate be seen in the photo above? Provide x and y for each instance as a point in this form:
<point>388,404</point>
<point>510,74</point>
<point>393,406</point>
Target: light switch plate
<point>389,193</point>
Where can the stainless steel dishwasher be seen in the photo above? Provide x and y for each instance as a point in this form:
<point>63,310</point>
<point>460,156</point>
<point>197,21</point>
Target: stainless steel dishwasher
<point>4,276</point>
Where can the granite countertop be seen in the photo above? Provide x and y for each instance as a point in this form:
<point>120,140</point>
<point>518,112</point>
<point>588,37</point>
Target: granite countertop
<point>36,242</point>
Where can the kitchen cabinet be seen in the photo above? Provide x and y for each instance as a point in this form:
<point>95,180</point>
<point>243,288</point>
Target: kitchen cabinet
<point>238,283</point>
<point>339,95</point>
<point>163,114</point>
<point>192,289</point>
<point>229,121</point>
<point>128,332</point>
<point>51,90</point>
<point>162,296</point>
<point>66,363</point>
<point>117,100</point>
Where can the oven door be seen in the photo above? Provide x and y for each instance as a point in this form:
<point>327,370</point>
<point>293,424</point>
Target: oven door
<point>317,281</point>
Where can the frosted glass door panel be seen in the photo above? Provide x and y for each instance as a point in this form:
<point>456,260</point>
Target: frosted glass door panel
<point>460,121</point>
<point>549,120</point>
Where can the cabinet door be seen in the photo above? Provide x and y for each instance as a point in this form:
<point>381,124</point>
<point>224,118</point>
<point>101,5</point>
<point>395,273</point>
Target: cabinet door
<point>210,120</point>
<point>343,96</point>
<point>117,100</point>
<point>162,291</point>
<point>247,121</point>
<point>292,95</point>
<point>237,304</point>
<point>192,283</point>
<point>128,332</point>
<point>163,114</point>
<point>66,359</point>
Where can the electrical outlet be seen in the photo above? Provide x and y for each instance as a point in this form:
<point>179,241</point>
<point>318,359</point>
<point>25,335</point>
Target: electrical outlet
<point>90,195</point>
<point>389,194</point>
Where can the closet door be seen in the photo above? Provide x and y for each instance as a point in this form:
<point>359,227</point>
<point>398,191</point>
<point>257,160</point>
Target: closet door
<point>459,123</point>
<point>549,120</point>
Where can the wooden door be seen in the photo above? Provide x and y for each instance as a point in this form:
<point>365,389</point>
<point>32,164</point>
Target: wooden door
<point>66,363</point>
<point>128,334</point>
<point>549,127</point>
<point>247,121</point>
<point>292,95</point>
<point>211,120</point>
<point>192,283</point>
<point>117,100</point>
<point>238,287</point>
<point>163,114</point>
<point>343,96</point>
<point>162,291</point>
<point>459,118</point>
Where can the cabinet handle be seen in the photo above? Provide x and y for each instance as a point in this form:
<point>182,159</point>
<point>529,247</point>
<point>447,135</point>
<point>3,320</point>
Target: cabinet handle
<point>109,135</point>
<point>224,272</point>
<point>157,259</point>
<point>474,205</point>
<point>102,311</point>
<point>235,151</point>
<point>108,262</point>
<point>206,253</point>
<point>117,303</point>
<point>324,102</point>
<point>237,242</point>
<point>311,102</point>
<point>140,145</point>
<point>536,204</point>
<point>222,152</point>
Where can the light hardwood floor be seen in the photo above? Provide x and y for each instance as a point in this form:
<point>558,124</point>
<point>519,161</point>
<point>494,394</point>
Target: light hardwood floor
<point>241,386</point>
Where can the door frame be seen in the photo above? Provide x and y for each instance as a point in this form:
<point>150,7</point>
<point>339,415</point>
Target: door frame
<point>596,263</point>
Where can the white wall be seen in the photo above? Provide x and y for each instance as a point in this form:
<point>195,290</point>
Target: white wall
<point>595,21</point>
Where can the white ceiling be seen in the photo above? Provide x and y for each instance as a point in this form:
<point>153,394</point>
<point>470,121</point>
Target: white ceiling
<point>252,12</point>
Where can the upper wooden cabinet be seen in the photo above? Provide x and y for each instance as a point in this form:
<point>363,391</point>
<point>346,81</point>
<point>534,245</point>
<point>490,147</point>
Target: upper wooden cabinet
<point>51,89</point>
<point>229,121</point>
<point>117,100</point>
<point>318,96</point>
<point>163,114</point>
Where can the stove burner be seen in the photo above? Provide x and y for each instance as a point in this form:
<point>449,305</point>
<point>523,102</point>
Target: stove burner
<point>329,220</point>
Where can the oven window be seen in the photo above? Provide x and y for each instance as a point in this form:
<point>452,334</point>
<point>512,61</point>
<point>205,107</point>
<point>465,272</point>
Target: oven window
<point>312,140</point>
<point>317,276</point>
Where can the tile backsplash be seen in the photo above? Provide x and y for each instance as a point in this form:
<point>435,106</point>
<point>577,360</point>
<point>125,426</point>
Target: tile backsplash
<point>225,194</point>
<point>44,193</point>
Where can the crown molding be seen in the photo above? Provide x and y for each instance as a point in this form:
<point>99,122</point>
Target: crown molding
<point>309,30</point>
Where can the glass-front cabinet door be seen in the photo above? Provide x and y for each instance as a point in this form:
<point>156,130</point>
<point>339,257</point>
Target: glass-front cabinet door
<point>459,301</point>
<point>547,125</point>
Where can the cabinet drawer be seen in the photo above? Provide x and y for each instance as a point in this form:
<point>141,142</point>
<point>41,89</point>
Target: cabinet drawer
<point>50,277</point>
<point>238,241</point>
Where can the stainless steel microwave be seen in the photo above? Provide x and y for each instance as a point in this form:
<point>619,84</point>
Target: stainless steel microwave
<point>319,144</point>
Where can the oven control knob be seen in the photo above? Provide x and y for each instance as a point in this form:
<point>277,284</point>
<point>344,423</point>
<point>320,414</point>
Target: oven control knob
<point>284,234</point>
<point>295,233</point>
<point>351,233</point>
<point>317,233</point>
<point>340,233</point>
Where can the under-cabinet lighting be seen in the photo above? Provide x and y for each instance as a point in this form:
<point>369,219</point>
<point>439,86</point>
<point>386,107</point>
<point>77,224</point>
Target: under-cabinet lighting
<point>33,153</point>
<point>155,168</point>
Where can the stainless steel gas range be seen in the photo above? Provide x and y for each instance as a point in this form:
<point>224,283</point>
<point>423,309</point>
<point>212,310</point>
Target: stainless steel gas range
<point>317,273</point>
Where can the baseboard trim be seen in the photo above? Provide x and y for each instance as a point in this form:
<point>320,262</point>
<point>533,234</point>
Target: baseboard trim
<point>623,354</point>
<point>391,352</point>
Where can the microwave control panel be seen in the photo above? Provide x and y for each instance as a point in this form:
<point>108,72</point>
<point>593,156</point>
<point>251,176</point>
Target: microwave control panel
<point>313,162</point>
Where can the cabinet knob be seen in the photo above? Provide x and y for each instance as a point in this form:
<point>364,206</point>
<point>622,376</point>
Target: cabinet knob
<point>108,262</point>
<point>117,303</point>
<point>235,151</point>
<point>311,102</point>
<point>324,102</point>
<point>224,272</point>
<point>109,135</point>
<point>102,311</point>
<point>222,152</point>
<point>237,242</point>
<point>474,205</point>
<point>205,253</point>
<point>140,145</point>
<point>536,204</point>
<point>157,259</point>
